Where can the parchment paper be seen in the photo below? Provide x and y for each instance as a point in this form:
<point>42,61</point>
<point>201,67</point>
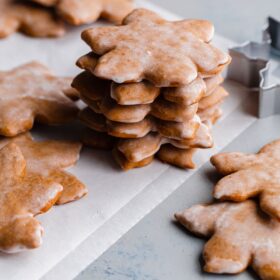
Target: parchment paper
<point>77,233</point>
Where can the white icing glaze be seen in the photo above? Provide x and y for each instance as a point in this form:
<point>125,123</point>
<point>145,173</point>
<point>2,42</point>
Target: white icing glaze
<point>167,53</point>
<point>136,150</point>
<point>32,80</point>
<point>240,234</point>
<point>251,175</point>
<point>30,92</point>
<point>23,195</point>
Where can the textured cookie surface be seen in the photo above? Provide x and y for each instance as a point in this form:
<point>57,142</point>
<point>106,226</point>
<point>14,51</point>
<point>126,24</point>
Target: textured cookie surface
<point>142,92</point>
<point>79,12</point>
<point>160,108</point>
<point>240,236</point>
<point>48,159</point>
<point>30,19</point>
<point>174,130</point>
<point>249,175</point>
<point>137,149</point>
<point>31,92</point>
<point>182,158</point>
<point>148,47</point>
<point>22,196</point>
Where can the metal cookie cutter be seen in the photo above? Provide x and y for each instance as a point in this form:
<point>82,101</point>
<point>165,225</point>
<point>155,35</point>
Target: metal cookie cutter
<point>251,67</point>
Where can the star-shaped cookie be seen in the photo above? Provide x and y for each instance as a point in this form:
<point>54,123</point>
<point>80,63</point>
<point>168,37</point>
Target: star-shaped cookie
<point>31,92</point>
<point>79,12</point>
<point>23,195</point>
<point>149,47</point>
<point>240,236</point>
<point>48,159</point>
<point>30,19</point>
<point>139,93</point>
<point>250,175</point>
<point>137,149</point>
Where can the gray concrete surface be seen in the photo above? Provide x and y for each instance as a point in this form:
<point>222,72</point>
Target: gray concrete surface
<point>239,20</point>
<point>158,248</point>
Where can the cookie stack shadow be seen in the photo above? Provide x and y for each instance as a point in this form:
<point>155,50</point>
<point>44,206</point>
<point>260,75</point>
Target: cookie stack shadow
<point>153,112</point>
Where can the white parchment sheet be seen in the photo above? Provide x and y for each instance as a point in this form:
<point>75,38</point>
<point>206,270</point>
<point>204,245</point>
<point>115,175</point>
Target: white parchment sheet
<point>77,233</point>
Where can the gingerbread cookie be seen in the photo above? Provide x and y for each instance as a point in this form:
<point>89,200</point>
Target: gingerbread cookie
<point>177,130</point>
<point>149,47</point>
<point>161,109</point>
<point>210,112</point>
<point>31,92</point>
<point>202,139</point>
<point>92,88</point>
<point>240,236</point>
<point>126,165</point>
<point>78,12</point>
<point>167,154</point>
<point>138,149</point>
<point>98,140</point>
<point>139,93</point>
<point>47,159</point>
<point>134,93</point>
<point>30,19</point>
<point>216,97</point>
<point>23,195</point>
<point>178,157</point>
<point>186,95</point>
<point>251,175</point>
<point>213,118</point>
<point>174,130</point>
<point>130,130</point>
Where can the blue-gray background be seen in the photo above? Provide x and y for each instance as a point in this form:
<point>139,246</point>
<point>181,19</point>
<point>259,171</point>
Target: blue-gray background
<point>239,20</point>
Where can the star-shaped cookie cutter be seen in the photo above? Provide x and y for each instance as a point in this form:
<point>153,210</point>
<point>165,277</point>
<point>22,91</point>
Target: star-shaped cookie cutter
<point>251,67</point>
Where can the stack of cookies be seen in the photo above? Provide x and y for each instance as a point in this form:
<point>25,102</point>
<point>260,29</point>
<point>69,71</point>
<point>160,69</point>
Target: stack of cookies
<point>152,88</point>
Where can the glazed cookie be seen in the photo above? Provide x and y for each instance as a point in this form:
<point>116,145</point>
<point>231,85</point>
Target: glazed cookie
<point>125,164</point>
<point>98,140</point>
<point>174,130</point>
<point>182,158</point>
<point>240,236</point>
<point>139,93</point>
<point>216,97</point>
<point>30,19</point>
<point>23,195</point>
<point>91,87</point>
<point>47,159</point>
<point>137,149</point>
<point>78,12</point>
<point>149,47</point>
<point>210,112</point>
<point>31,92</point>
<point>161,109</point>
<point>187,95</point>
<point>251,175</point>
<point>167,154</point>
<point>134,93</point>
<point>213,118</point>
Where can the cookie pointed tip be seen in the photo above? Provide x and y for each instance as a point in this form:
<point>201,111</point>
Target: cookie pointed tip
<point>85,35</point>
<point>217,195</point>
<point>179,216</point>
